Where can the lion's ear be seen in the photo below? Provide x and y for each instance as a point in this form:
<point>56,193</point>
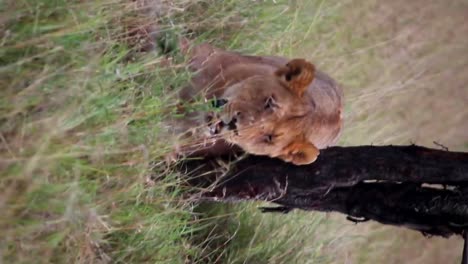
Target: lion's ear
<point>300,152</point>
<point>298,74</point>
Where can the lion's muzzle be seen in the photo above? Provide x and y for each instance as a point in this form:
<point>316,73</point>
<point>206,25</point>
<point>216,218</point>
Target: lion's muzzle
<point>221,121</point>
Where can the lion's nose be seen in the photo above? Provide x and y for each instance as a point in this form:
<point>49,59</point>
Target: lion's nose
<point>232,125</point>
<point>225,118</point>
<point>217,103</point>
<point>216,128</point>
<point>232,121</point>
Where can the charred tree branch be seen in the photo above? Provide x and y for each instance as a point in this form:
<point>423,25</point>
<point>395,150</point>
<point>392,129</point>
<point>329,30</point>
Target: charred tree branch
<point>419,188</point>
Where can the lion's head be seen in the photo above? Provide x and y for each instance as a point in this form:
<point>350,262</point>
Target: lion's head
<point>267,113</point>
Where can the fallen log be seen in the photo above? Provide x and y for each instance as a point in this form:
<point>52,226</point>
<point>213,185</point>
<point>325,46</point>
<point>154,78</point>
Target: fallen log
<point>416,187</point>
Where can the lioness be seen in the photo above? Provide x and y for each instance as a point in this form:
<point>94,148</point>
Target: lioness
<point>266,106</point>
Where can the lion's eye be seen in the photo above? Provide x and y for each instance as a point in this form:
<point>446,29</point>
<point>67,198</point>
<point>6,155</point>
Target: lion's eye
<point>268,138</point>
<point>270,103</point>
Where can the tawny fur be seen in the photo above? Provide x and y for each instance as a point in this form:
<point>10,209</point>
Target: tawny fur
<point>282,108</point>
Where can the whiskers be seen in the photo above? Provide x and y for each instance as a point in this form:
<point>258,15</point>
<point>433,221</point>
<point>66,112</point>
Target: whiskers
<point>200,139</point>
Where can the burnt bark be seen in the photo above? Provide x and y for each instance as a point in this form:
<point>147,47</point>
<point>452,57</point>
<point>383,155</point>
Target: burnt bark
<point>419,188</point>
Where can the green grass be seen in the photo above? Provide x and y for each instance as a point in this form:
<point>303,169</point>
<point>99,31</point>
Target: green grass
<point>81,130</point>
<point>82,127</point>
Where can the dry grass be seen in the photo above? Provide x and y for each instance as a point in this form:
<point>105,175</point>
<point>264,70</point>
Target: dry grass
<point>408,85</point>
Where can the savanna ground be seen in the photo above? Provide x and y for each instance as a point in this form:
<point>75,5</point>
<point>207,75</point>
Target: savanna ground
<point>81,113</point>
